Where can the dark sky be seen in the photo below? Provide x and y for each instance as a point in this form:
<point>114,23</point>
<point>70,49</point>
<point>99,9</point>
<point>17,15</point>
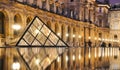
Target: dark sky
<point>114,1</point>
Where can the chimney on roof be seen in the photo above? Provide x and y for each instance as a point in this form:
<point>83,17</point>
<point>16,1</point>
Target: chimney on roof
<point>107,1</point>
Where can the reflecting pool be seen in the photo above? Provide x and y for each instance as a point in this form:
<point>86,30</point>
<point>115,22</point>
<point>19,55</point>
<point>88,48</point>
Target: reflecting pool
<point>42,58</point>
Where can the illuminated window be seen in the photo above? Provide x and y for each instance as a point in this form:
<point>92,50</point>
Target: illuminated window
<point>115,25</point>
<point>115,36</point>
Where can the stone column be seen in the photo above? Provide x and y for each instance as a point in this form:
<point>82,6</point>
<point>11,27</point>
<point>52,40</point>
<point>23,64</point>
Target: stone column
<point>8,59</point>
<point>52,66</point>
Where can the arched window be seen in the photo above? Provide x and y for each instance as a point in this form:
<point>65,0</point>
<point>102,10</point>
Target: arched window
<point>62,31</point>
<point>100,22</point>
<point>17,21</point>
<point>2,17</point>
<point>100,35</point>
<point>52,7</point>
<point>49,24</point>
<point>115,36</point>
<point>74,32</point>
<point>57,29</point>
<point>44,5</point>
<point>28,20</point>
<point>69,32</point>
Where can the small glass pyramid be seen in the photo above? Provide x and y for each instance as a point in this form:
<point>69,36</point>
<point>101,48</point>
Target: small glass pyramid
<point>38,34</point>
<point>41,45</point>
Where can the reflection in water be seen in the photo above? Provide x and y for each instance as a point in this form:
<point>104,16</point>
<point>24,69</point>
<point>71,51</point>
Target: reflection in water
<point>97,58</point>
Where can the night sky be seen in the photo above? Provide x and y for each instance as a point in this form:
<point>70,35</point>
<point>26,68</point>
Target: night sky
<point>114,1</point>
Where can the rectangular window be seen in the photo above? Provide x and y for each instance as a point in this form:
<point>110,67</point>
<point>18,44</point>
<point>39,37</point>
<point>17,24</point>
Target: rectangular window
<point>100,9</point>
<point>71,0</point>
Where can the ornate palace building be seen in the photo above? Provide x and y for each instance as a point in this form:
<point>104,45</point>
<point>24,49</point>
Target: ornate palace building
<point>28,25</point>
<point>114,21</point>
<point>67,18</point>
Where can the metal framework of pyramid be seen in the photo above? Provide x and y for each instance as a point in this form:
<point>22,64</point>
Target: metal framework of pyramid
<point>40,46</point>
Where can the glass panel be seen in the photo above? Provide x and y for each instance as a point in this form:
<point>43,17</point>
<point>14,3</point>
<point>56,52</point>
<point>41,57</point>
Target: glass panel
<point>60,50</point>
<point>45,30</point>
<point>60,43</point>
<point>22,42</point>
<point>33,30</point>
<point>34,65</point>
<point>36,43</point>
<point>45,63</point>
<point>28,54</point>
<point>50,52</point>
<point>41,38</point>
<point>40,53</point>
<point>53,38</point>
<point>37,23</point>
<point>48,43</point>
<point>28,37</point>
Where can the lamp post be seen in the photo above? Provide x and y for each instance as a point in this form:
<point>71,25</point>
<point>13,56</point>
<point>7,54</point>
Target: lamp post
<point>16,66</point>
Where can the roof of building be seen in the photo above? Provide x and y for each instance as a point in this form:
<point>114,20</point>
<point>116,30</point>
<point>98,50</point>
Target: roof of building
<point>115,6</point>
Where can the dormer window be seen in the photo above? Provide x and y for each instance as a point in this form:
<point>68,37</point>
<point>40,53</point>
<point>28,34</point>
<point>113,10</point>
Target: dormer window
<point>71,0</point>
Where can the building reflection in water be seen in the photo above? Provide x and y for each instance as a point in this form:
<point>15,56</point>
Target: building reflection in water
<point>95,58</point>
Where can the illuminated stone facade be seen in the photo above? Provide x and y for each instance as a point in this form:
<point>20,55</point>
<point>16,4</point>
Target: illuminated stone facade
<point>76,21</point>
<point>114,25</point>
<point>69,25</point>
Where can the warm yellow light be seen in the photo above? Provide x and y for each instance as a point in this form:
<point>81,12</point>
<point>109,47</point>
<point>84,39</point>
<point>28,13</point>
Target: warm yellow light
<point>79,36</point>
<point>111,50</point>
<point>67,35</point>
<point>58,59</point>
<point>103,52</point>
<point>99,39</point>
<point>89,55</point>
<point>73,57</point>
<point>16,27</point>
<point>66,58</point>
<point>99,52</point>
<point>106,39</point>
<point>79,56</point>
<point>58,34</point>
<point>106,52</point>
<point>111,40</point>
<point>37,61</point>
<point>103,39</point>
<point>16,66</point>
<point>95,53</point>
<point>89,37</point>
<point>95,38</point>
<point>73,35</point>
<point>36,31</point>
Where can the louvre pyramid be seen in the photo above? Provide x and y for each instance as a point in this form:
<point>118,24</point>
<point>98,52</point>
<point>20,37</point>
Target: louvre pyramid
<point>40,46</point>
<point>38,34</point>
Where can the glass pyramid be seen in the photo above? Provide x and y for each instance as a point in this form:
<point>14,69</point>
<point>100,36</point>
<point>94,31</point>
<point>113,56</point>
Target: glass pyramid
<point>38,34</point>
<point>39,45</point>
